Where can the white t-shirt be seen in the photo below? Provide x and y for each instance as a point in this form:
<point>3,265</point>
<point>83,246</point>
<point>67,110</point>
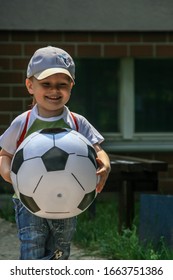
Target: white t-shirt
<point>8,140</point>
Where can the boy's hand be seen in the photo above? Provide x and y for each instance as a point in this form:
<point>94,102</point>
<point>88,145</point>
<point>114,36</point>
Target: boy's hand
<point>5,163</point>
<point>103,173</point>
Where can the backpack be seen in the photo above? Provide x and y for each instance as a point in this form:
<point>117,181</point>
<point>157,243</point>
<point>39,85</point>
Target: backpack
<point>22,136</point>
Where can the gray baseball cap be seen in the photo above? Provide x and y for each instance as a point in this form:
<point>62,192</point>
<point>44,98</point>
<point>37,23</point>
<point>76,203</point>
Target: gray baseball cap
<point>48,61</point>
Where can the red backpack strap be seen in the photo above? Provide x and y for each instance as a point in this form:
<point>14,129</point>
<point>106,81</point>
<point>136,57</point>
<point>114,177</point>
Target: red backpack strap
<point>22,136</point>
<point>75,121</point>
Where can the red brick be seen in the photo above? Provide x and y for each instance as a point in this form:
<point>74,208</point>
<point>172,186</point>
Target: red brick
<point>141,51</point>
<point>154,37</point>
<point>102,37</point>
<point>20,63</point>
<point>29,49</point>
<point>164,51</point>
<point>76,37</point>
<point>127,37</point>
<point>4,63</point>
<point>11,77</point>
<point>50,37</point>
<point>23,36</point>
<point>115,51</point>
<point>19,92</point>
<point>68,48</point>
<point>4,91</point>
<point>10,105</point>
<point>89,51</point>
<point>5,119</point>
<point>10,49</point>
<point>27,104</point>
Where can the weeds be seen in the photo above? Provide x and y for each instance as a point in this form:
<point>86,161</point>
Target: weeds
<point>6,208</point>
<point>100,234</point>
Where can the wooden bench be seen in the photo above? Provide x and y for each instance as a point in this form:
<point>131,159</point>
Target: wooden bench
<point>129,175</point>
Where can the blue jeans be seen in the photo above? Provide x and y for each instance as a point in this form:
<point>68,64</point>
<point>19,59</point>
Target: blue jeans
<point>42,238</point>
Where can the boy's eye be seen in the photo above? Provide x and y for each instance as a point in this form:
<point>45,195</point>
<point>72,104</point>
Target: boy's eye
<point>45,84</point>
<point>63,85</point>
<point>58,86</point>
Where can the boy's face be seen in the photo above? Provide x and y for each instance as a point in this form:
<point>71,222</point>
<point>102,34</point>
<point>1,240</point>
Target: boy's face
<point>51,93</point>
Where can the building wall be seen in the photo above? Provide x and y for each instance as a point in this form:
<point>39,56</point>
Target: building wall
<point>16,47</point>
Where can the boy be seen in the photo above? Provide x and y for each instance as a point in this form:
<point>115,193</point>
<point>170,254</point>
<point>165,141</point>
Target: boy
<point>50,79</point>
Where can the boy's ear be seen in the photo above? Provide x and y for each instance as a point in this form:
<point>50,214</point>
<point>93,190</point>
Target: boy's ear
<point>71,85</point>
<point>29,85</point>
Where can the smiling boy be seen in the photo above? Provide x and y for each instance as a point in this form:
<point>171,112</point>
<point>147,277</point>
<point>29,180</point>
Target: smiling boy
<point>50,79</point>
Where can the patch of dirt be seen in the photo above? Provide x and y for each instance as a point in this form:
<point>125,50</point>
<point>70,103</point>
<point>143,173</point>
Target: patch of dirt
<point>9,245</point>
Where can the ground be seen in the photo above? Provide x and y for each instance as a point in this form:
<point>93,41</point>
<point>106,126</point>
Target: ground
<point>8,241</point>
<point>9,244</point>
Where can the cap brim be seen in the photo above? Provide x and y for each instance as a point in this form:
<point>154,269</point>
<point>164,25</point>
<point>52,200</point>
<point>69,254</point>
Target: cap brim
<point>48,72</point>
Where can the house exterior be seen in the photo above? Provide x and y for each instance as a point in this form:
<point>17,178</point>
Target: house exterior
<point>124,65</point>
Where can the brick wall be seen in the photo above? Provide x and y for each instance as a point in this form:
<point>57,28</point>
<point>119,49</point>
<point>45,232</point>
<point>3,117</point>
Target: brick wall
<point>17,47</point>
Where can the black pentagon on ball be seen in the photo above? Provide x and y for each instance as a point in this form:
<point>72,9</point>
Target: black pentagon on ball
<point>29,203</point>
<point>54,130</point>
<point>17,161</point>
<point>87,200</point>
<point>92,155</point>
<point>55,159</point>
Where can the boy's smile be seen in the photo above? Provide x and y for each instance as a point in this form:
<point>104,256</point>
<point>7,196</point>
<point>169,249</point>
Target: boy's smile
<point>53,98</point>
<point>51,93</point>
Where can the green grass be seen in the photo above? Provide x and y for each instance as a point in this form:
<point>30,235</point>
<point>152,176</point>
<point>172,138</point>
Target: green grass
<point>100,234</point>
<point>6,208</point>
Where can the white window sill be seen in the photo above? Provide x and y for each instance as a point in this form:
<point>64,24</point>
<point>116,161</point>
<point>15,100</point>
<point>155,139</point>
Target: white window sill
<point>139,143</point>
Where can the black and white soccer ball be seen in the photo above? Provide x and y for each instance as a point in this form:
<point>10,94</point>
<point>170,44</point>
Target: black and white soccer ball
<point>54,173</point>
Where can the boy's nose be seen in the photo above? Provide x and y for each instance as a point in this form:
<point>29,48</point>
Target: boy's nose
<point>54,89</point>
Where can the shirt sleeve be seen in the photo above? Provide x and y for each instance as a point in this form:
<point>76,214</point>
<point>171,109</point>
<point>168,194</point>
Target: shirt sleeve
<point>8,140</point>
<point>88,130</point>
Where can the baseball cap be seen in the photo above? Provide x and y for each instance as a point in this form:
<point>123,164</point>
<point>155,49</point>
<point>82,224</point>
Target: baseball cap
<point>48,61</point>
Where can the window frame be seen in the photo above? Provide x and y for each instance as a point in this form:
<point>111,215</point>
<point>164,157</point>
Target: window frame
<point>128,139</point>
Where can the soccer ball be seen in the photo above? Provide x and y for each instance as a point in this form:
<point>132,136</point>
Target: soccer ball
<point>54,173</point>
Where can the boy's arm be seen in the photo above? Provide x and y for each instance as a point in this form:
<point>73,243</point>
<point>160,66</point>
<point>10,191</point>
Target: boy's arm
<point>104,166</point>
<point>5,163</point>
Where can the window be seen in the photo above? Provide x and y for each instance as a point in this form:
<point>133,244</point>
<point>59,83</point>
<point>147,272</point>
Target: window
<point>146,99</point>
<point>130,101</point>
<point>154,95</point>
<point>95,94</point>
